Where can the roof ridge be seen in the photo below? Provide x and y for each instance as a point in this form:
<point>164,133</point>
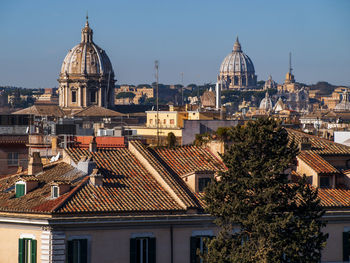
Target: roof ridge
<point>172,180</point>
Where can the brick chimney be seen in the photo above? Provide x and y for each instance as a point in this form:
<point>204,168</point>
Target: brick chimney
<point>35,165</point>
<point>93,145</point>
<point>305,144</point>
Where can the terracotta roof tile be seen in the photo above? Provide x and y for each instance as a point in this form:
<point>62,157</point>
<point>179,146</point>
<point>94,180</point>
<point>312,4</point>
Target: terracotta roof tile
<point>317,163</point>
<point>186,159</point>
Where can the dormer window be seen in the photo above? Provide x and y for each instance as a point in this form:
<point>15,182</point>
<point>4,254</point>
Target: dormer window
<point>198,180</point>
<point>20,189</point>
<point>54,191</point>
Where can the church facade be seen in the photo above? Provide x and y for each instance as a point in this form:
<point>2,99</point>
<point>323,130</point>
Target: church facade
<point>87,76</point>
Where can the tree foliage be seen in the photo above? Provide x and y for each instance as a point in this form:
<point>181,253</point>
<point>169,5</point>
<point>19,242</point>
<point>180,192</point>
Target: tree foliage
<point>262,216</point>
<point>122,95</point>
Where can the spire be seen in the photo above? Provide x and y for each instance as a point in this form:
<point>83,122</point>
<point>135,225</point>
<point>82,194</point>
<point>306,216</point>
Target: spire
<point>237,46</point>
<point>86,32</point>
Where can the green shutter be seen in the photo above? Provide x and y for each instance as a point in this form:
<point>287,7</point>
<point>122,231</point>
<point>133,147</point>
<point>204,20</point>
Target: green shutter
<point>19,190</point>
<point>83,250</point>
<point>152,250</point>
<point>346,246</point>
<point>193,250</point>
<point>70,249</point>
<point>20,250</point>
<point>33,252</point>
<point>132,250</point>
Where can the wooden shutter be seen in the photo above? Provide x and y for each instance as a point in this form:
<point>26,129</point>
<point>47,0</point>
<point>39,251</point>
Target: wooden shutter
<point>70,249</point>
<point>19,190</point>
<point>83,250</point>
<point>193,250</point>
<point>20,250</point>
<point>132,250</point>
<point>33,252</point>
<point>152,250</point>
<point>346,246</point>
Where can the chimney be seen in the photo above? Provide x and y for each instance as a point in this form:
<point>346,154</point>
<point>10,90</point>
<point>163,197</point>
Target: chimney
<point>304,144</point>
<point>35,165</point>
<point>96,178</point>
<point>93,145</point>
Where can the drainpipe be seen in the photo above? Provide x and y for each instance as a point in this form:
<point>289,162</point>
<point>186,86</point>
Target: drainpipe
<point>171,244</point>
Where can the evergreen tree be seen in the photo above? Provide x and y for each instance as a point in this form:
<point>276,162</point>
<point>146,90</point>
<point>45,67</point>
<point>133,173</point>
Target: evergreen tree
<point>262,216</point>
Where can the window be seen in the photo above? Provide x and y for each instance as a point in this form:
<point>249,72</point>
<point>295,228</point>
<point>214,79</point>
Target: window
<point>27,250</point>
<point>346,246</point>
<point>93,96</point>
<point>198,245</point>
<point>150,121</point>
<point>164,121</point>
<point>202,183</point>
<point>12,159</point>
<point>74,96</point>
<point>172,121</point>
<point>324,182</point>
<point>143,250</point>
<point>77,251</point>
<point>20,189</point>
<point>54,191</point>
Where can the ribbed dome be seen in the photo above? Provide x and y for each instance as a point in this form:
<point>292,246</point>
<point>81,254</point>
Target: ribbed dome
<point>86,57</point>
<point>237,61</point>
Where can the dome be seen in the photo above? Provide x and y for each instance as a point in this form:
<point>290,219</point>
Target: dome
<point>344,105</point>
<point>266,103</point>
<point>237,70</point>
<point>270,83</point>
<point>237,61</point>
<point>86,57</point>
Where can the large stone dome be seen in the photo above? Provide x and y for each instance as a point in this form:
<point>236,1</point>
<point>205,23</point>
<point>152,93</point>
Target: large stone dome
<point>237,69</point>
<point>86,57</point>
<point>86,77</point>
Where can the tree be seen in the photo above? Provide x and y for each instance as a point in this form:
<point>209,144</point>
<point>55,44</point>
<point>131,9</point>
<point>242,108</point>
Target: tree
<point>262,216</point>
<point>123,95</point>
<point>171,139</point>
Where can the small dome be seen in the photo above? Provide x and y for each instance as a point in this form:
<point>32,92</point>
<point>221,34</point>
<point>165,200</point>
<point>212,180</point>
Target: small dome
<point>266,103</point>
<point>270,83</point>
<point>344,105</point>
<point>237,61</point>
<point>86,57</point>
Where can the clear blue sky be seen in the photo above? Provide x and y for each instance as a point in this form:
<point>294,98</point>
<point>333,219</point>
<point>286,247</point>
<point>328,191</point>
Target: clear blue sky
<point>190,36</point>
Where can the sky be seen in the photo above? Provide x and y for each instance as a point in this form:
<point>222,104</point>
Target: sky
<point>189,36</point>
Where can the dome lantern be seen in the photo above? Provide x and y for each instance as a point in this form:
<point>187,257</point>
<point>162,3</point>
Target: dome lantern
<point>86,32</point>
<point>237,46</point>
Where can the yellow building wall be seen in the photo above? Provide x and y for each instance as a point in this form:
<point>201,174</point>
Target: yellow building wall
<point>9,236</point>
<point>162,132</point>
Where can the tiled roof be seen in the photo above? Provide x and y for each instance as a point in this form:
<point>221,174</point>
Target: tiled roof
<point>97,111</point>
<point>39,199</point>
<point>42,110</point>
<point>319,145</point>
<point>317,163</point>
<point>127,186</point>
<point>173,180</point>
<point>101,141</point>
<point>334,197</point>
<point>186,159</point>
<point>13,139</point>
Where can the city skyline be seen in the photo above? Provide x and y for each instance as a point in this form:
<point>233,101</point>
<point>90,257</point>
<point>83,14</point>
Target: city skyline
<point>194,38</point>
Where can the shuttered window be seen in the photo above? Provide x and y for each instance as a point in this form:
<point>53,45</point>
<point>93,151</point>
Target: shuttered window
<point>20,189</point>
<point>143,250</point>
<point>197,245</point>
<point>77,251</point>
<point>26,250</point>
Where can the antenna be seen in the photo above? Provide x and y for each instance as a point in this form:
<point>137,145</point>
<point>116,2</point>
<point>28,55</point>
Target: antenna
<point>156,66</point>
<point>290,62</point>
<point>182,89</point>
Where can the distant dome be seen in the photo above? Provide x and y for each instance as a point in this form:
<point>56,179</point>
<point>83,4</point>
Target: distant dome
<point>86,57</point>
<point>270,83</point>
<point>237,69</point>
<point>266,103</point>
<point>344,105</point>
